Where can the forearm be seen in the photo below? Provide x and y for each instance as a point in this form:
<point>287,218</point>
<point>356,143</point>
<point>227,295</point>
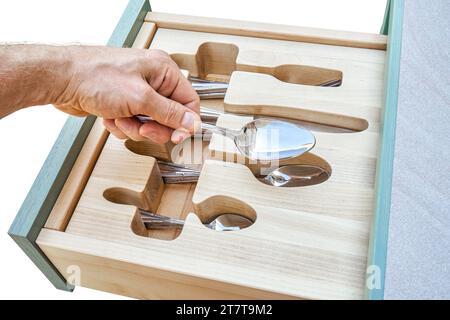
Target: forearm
<point>32,75</point>
<point>113,83</point>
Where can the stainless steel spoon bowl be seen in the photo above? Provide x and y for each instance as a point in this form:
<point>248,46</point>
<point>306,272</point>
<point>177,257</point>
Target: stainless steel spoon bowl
<point>296,175</point>
<point>267,139</point>
<point>224,222</point>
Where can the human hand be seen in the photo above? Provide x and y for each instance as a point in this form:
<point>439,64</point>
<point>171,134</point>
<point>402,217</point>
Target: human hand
<point>117,84</point>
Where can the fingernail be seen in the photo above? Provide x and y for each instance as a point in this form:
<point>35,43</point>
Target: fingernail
<point>179,136</point>
<point>189,121</point>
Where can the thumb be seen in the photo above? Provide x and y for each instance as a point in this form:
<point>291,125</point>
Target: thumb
<point>171,113</point>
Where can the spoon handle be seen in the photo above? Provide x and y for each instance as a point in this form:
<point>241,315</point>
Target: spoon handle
<point>206,114</point>
<point>177,173</point>
<point>170,167</point>
<point>156,221</point>
<point>220,130</point>
<point>210,87</point>
<point>209,115</point>
<point>180,177</point>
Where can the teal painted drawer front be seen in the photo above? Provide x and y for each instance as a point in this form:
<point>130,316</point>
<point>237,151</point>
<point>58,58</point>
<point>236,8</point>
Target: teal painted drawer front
<point>379,234</point>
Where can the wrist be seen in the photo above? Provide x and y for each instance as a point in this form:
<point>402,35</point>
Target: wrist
<point>54,70</point>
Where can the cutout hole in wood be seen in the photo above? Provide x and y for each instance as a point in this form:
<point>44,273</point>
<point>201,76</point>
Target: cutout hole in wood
<point>175,201</point>
<point>217,61</point>
<point>315,121</point>
<point>306,170</point>
<point>217,206</point>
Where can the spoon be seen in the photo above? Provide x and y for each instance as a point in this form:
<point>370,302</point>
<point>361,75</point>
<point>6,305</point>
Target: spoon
<point>207,115</point>
<point>264,139</point>
<point>268,139</point>
<point>295,175</point>
<point>224,222</point>
<point>211,116</point>
<point>288,176</point>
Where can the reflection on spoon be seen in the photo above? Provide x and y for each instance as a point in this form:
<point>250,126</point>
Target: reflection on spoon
<point>224,222</point>
<point>264,139</point>
<point>267,139</point>
<point>295,175</point>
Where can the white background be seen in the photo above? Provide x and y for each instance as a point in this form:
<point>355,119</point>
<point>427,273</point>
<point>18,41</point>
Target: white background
<point>27,136</point>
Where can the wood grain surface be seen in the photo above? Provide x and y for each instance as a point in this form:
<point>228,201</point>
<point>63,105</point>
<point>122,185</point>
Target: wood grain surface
<point>269,31</point>
<point>79,175</point>
<point>309,242</point>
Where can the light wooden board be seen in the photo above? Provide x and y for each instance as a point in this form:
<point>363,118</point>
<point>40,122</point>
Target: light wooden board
<point>70,194</point>
<point>270,31</point>
<point>108,272</point>
<point>313,248</point>
<point>342,107</point>
<point>144,36</point>
<point>361,93</point>
<point>306,242</point>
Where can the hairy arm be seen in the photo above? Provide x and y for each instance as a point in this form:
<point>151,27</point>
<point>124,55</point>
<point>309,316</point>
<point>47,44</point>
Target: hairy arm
<point>31,75</point>
<point>111,83</point>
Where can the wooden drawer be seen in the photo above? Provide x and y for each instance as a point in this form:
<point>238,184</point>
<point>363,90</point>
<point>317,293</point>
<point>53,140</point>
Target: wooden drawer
<point>307,242</point>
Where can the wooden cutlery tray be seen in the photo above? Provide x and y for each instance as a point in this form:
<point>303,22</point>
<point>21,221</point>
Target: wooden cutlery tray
<point>306,242</point>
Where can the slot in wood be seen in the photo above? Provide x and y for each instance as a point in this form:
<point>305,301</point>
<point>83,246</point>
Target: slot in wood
<point>217,61</point>
<point>354,106</point>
